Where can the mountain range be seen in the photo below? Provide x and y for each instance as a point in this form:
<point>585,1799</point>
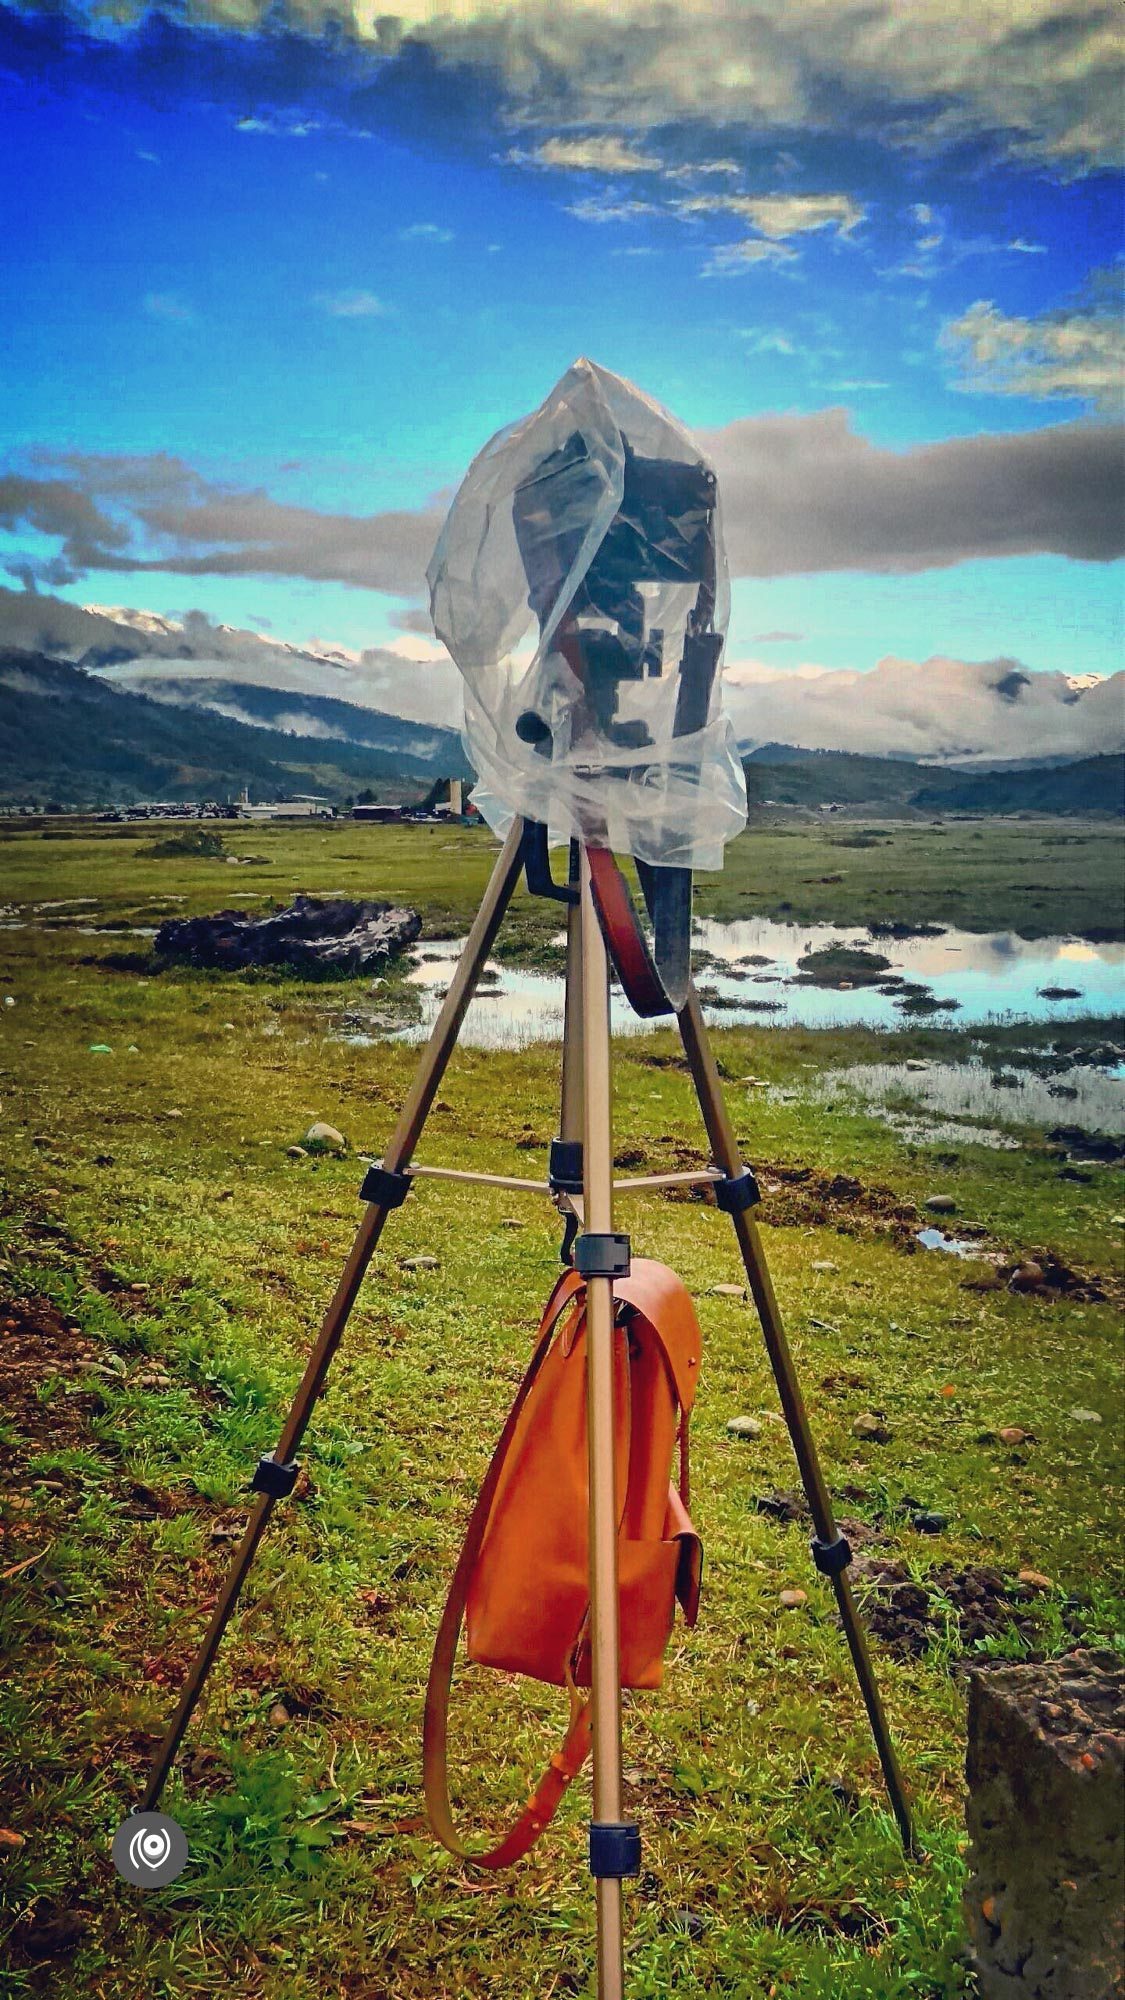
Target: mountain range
<point>102,705</point>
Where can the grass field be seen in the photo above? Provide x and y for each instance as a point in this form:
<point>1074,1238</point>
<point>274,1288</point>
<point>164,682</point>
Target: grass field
<point>163,1269</point>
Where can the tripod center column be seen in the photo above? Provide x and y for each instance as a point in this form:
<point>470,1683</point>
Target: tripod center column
<point>605,1674</point>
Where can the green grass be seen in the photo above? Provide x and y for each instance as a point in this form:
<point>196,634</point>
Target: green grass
<point>150,1203</point>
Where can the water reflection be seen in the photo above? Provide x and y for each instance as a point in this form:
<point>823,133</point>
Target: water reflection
<point>748,973</point>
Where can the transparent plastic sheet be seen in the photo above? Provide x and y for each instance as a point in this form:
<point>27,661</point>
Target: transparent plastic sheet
<point>580,585</point>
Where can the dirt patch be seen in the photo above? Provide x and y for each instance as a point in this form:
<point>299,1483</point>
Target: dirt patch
<point>974,1605</point>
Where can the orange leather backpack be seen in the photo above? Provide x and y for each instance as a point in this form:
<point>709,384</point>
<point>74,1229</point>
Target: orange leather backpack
<point>521,1582</point>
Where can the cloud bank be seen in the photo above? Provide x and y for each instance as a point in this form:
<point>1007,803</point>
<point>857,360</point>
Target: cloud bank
<point>801,493</point>
<point>940,710</point>
<point>1037,80</point>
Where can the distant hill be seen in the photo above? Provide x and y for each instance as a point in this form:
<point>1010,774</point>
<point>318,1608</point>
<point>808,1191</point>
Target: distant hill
<point>778,774</point>
<point>68,737</point>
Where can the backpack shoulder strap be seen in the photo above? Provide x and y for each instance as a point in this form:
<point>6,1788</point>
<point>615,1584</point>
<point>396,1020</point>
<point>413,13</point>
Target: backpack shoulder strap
<point>665,1302</point>
<point>569,1759</point>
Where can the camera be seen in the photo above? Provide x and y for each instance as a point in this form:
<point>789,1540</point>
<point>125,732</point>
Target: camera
<point>663,532</point>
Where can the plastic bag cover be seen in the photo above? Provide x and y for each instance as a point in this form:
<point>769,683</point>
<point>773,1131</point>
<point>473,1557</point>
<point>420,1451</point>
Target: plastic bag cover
<point>580,585</point>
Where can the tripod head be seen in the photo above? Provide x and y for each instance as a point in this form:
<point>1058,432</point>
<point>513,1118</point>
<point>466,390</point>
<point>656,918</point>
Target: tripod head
<point>579,583</point>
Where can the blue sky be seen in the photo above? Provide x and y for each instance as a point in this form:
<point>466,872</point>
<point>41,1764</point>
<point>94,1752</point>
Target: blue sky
<point>270,286</point>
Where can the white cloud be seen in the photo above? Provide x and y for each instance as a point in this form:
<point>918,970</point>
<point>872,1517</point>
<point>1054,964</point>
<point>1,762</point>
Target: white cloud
<point>727,260</point>
<point>782,215</point>
<point>1078,352</point>
<point>355,304</point>
<point>603,152</point>
<point>607,208</point>
<point>425,232</point>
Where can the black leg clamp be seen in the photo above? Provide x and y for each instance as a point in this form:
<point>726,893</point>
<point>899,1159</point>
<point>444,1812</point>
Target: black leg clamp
<point>831,1558</point>
<point>733,1194</point>
<point>615,1848</point>
<point>602,1256</point>
<point>274,1477</point>
<point>564,1166</point>
<point>387,1189</point>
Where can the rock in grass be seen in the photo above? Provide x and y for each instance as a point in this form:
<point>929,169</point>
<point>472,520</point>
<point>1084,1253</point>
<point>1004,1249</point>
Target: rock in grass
<point>744,1427</point>
<point>1085,1417</point>
<point>322,1138</point>
<point>824,1264</point>
<point>688,1921</point>
<point>940,1204</point>
<point>872,1427</point>
<point>421,1263</point>
<point>792,1600</point>
<point>729,1291</point>
<point>1034,1579</point>
<point>930,1522</point>
<point>279,1715</point>
<point>295,1153</point>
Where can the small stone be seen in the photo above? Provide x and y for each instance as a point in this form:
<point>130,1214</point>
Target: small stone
<point>511,1222</point>
<point>1118,1221</point>
<point>1012,1434</point>
<point>295,1153</point>
<point>744,1427</point>
<point>824,1264</point>
<point>940,1204</point>
<point>173,1114</point>
<point>322,1138</point>
<point>872,1427</point>
<point>421,1264</point>
<point>729,1291</point>
<point>1035,1579</point>
<point>915,1065</point>
<point>279,1715</point>
<point>930,1523</point>
<point>1085,1416</point>
<point>1026,1276</point>
<point>792,1600</point>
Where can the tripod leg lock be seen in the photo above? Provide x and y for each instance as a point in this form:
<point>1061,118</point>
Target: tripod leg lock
<point>615,1848</point>
<point>275,1477</point>
<point>602,1255</point>
<point>736,1192</point>
<point>831,1558</point>
<point>387,1189</point>
<point>564,1166</point>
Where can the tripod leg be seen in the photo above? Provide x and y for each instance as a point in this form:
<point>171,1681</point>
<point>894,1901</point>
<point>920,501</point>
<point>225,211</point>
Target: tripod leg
<point>607,1831</point>
<point>830,1550</point>
<point>275,1484</point>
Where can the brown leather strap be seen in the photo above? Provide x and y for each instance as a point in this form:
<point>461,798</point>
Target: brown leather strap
<point>625,940</point>
<point>569,1759</point>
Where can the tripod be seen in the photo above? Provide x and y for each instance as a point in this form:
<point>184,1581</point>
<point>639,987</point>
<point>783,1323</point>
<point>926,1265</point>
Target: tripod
<point>582,1185</point>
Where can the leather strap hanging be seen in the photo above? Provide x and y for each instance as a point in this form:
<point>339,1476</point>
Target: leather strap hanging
<point>625,940</point>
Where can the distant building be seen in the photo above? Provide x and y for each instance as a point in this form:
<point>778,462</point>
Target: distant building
<point>305,805</point>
